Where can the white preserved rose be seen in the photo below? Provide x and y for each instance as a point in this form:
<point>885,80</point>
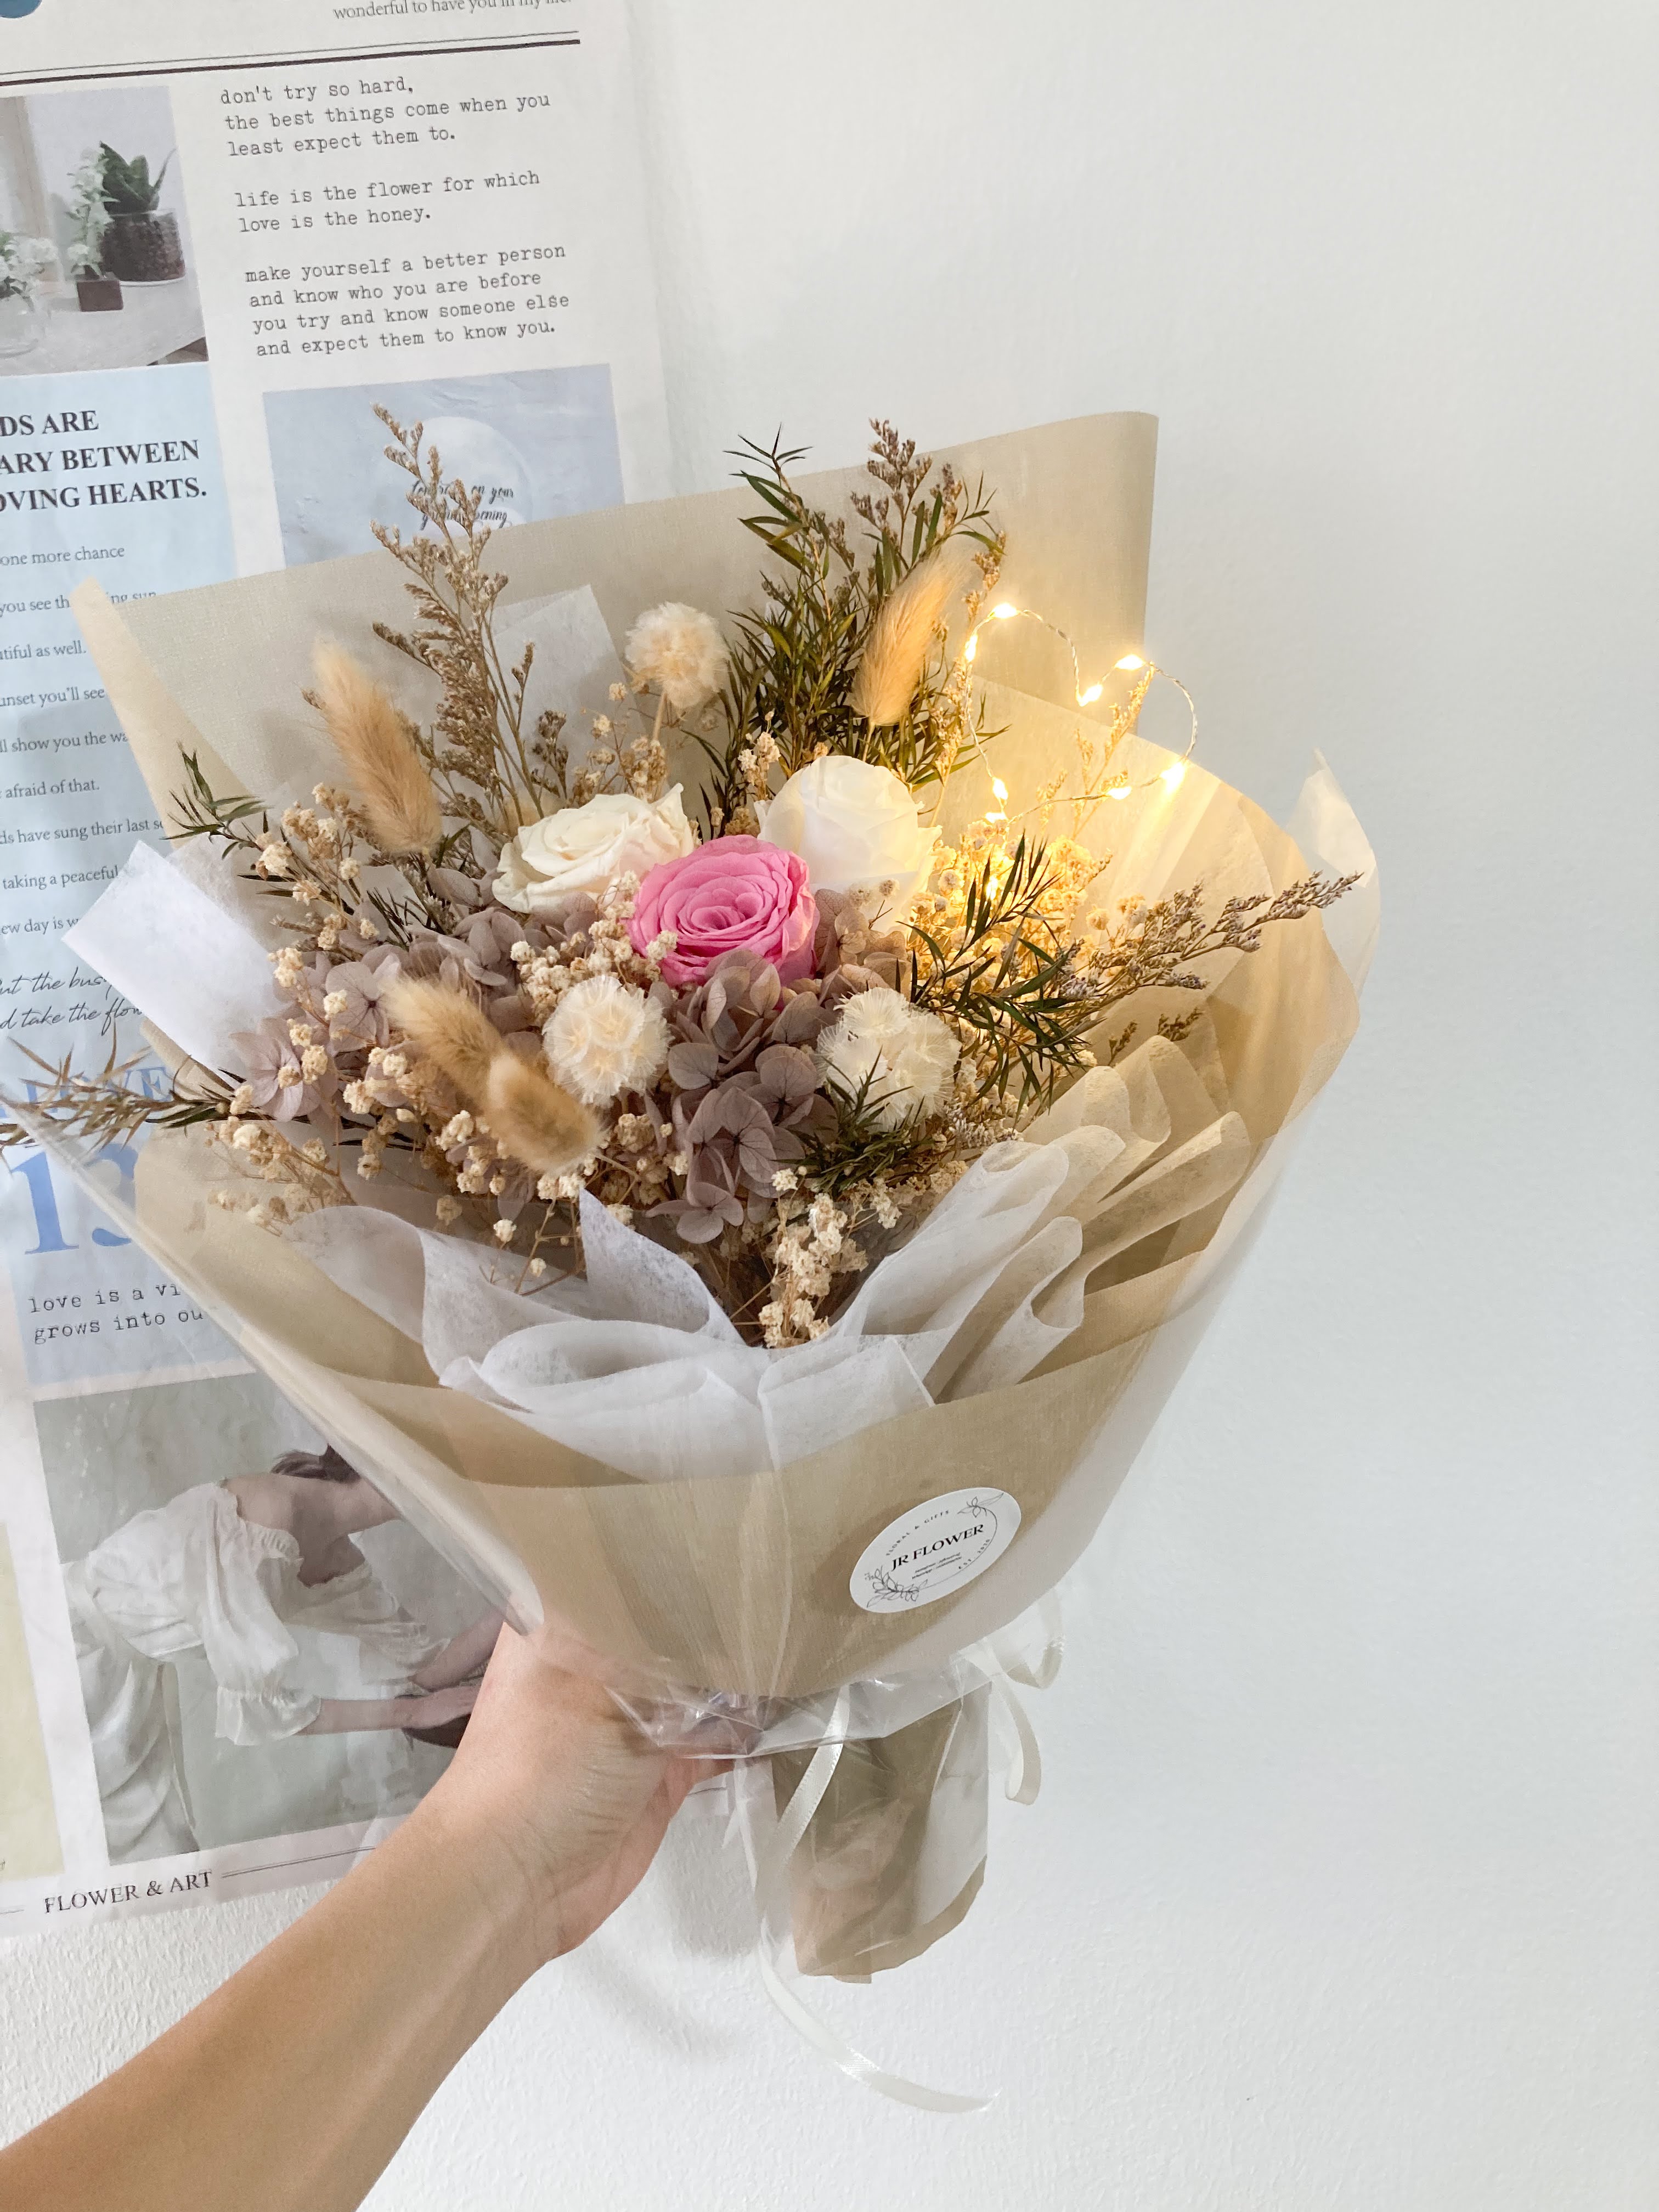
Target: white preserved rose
<point>583,848</point>
<point>906,1055</point>
<point>856,827</point>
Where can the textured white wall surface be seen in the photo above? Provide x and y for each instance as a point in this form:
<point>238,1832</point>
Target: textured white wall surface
<point>1341,1891</point>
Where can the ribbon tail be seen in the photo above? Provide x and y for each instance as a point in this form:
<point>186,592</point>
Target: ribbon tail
<point>852,2062</point>
<point>1024,1775</point>
<point>1003,1663</point>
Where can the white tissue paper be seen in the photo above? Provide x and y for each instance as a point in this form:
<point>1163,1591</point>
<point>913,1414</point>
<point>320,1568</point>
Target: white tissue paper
<point>187,962</point>
<point>637,1366</point>
<point>574,663</point>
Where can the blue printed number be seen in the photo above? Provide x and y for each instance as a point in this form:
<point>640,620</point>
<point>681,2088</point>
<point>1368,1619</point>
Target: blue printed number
<point>36,1172</point>
<point>127,1160</point>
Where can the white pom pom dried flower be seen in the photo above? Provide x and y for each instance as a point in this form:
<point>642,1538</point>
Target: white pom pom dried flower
<point>904,1055</point>
<point>604,1037</point>
<point>681,651</point>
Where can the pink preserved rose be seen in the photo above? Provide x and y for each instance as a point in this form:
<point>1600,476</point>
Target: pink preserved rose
<point>732,895</point>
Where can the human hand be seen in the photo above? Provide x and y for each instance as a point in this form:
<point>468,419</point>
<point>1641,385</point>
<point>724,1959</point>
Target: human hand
<point>436,1708</point>
<point>558,1800</point>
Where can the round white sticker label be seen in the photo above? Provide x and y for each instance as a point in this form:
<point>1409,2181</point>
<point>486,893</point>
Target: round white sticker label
<point>934,1550</point>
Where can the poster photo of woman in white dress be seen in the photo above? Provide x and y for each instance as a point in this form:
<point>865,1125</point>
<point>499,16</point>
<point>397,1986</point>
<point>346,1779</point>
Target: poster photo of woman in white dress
<point>236,1646</point>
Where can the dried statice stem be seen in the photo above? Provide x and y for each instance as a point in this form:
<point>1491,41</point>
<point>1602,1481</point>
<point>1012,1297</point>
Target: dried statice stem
<point>378,755</point>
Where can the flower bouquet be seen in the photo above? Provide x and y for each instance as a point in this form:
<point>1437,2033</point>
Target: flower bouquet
<point>739,1136</point>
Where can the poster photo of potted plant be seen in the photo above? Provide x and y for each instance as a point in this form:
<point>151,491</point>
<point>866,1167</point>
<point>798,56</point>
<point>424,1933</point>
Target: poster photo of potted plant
<point>140,242</point>
<point>24,261</point>
<point>98,269</point>
<point>89,219</point>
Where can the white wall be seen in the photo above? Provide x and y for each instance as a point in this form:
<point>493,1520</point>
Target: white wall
<point>1340,1893</point>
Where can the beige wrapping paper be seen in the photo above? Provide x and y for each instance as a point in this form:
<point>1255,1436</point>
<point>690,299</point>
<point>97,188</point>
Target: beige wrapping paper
<point>219,672</point>
<point>739,1584</point>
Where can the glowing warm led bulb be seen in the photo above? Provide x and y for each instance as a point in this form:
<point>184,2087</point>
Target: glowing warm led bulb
<point>970,648</point>
<point>1130,661</point>
<point>1087,698</point>
<point>1005,611</point>
<point>1172,775</point>
<point>1002,790</point>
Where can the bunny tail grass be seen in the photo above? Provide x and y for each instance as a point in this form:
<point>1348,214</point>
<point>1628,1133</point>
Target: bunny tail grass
<point>901,636</point>
<point>534,1120</point>
<point>381,762</point>
<point>449,1029</point>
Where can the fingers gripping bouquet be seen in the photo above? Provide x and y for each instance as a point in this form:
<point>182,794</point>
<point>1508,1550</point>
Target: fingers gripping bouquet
<point>746,1179</point>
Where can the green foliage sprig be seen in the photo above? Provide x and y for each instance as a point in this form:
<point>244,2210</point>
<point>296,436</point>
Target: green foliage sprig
<point>102,1109</point>
<point>1029,997</point>
<point>794,659</point>
<point>1008,977</point>
<point>861,1147</point>
<point>200,812</point>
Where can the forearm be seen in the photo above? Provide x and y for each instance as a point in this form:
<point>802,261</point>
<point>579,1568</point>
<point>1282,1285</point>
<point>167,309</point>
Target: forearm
<point>289,2089</point>
<point>339,1715</point>
<point>462,1656</point>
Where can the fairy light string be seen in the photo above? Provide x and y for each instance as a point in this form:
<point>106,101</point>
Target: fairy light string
<point>1131,663</point>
